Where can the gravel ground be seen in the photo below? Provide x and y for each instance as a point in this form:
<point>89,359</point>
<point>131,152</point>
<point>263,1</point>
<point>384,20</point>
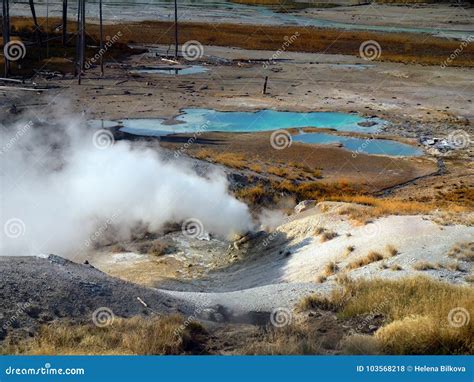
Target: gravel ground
<point>36,290</point>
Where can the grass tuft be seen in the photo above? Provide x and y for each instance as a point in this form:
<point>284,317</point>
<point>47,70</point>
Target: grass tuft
<point>372,257</point>
<point>137,335</point>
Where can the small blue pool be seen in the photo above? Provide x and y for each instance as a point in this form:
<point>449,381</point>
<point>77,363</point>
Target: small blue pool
<point>361,145</point>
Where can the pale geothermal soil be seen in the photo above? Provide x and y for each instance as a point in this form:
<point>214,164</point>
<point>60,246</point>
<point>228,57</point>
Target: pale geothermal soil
<point>278,268</point>
<point>229,282</point>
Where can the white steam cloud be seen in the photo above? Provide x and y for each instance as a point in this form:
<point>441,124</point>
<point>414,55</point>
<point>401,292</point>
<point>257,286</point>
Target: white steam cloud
<point>62,188</point>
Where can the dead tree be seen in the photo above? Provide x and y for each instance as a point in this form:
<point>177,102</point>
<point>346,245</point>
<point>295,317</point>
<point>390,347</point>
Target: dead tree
<point>101,32</point>
<point>76,56</point>
<point>6,32</point>
<point>176,29</point>
<point>64,22</point>
<point>37,27</point>
<point>80,40</point>
<point>264,91</point>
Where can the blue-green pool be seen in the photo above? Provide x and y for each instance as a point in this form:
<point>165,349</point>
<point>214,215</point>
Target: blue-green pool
<point>361,145</point>
<point>208,120</point>
<point>199,120</point>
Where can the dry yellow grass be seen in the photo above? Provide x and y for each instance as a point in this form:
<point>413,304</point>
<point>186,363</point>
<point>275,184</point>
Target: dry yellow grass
<point>425,266</point>
<point>230,160</point>
<point>278,171</point>
<point>392,251</point>
<point>425,315</point>
<point>315,190</point>
<point>463,251</point>
<point>382,207</point>
<point>372,257</point>
<point>328,235</point>
<point>320,279</point>
<point>152,335</point>
<point>349,250</point>
<point>317,301</point>
<point>360,344</point>
<point>330,269</point>
<point>399,47</point>
<point>292,339</point>
<point>252,195</point>
<point>255,167</point>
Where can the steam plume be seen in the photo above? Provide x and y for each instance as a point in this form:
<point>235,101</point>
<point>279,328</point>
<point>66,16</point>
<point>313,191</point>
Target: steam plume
<point>63,184</point>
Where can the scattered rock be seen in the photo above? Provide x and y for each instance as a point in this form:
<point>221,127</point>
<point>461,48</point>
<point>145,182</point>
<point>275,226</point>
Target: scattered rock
<point>304,205</point>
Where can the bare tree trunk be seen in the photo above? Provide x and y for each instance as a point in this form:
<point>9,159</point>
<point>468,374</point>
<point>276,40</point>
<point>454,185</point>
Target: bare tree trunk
<point>77,66</point>
<point>37,27</point>
<point>64,22</point>
<point>6,32</point>
<point>101,40</point>
<point>83,36</point>
<point>176,29</point>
